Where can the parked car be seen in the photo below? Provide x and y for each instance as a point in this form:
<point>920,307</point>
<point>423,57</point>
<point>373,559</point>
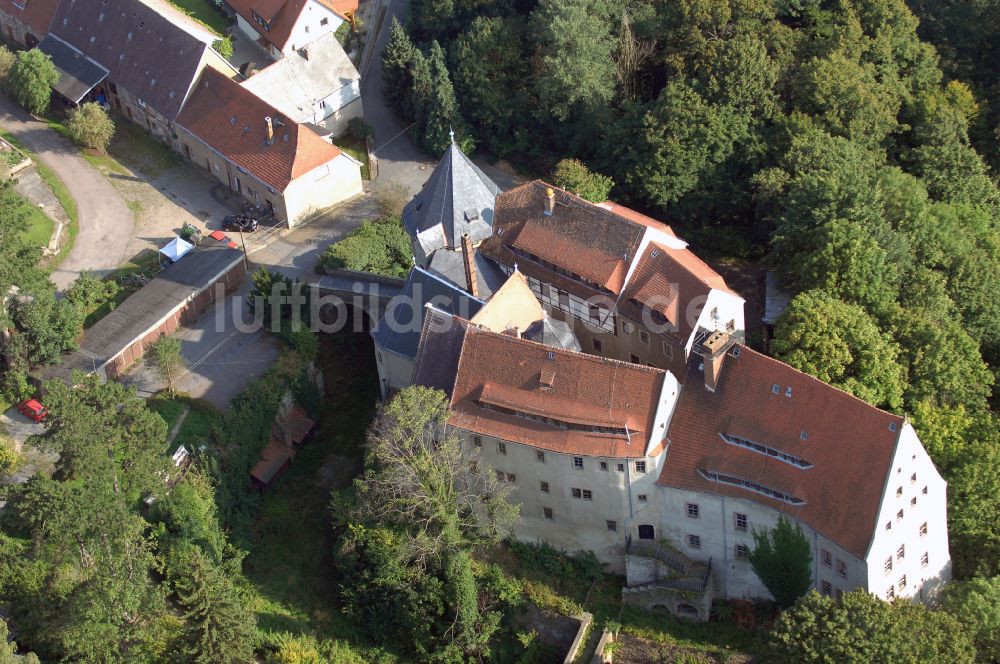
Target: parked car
<point>33,410</point>
<point>239,222</point>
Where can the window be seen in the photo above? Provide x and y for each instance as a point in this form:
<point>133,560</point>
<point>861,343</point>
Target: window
<point>888,565</point>
<point>668,349</point>
<point>827,558</point>
<point>750,485</point>
<point>647,532</point>
<point>694,541</point>
<point>742,552</point>
<point>901,552</point>
<point>902,583</point>
<point>501,476</point>
<point>627,327</point>
<point>620,467</point>
<point>644,337</point>
<point>512,478</point>
<point>924,491</point>
<point>544,487</point>
<point>692,510</point>
<point>595,312</point>
<point>888,525</point>
<point>923,529</point>
<point>477,441</point>
<point>324,21</point>
<point>899,491</point>
<point>577,493</point>
<point>913,501</point>
<point>827,588</point>
<point>640,466</point>
<point>841,568</point>
<point>642,499</point>
<point>502,448</point>
<point>762,448</point>
<point>540,457</point>
<point>564,300</point>
<point>604,465</point>
<point>612,525</point>
<point>740,521</point>
<point>598,345</point>
<point>899,515</point>
<point>547,512</point>
<point>890,594</point>
<point>578,463</point>
<point>924,560</point>
<point>633,358</point>
<point>913,478</point>
<point>587,494</point>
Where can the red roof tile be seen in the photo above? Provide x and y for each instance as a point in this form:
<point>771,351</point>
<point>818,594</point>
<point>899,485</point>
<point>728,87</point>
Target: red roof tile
<point>281,15</point>
<point>586,390</point>
<point>230,119</point>
<point>637,217</point>
<point>848,442</point>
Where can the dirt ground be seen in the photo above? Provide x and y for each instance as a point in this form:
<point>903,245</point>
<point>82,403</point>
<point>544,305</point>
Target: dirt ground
<point>635,650</point>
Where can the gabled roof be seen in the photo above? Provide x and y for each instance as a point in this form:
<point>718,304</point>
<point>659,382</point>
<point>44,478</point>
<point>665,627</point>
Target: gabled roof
<point>231,120</point>
<point>296,83</point>
<point>145,51</point>
<point>398,331</point>
<point>450,264</point>
<point>500,375</point>
<point>441,343</point>
<point>553,332</point>
<point>281,15</point>
<point>36,14</point>
<point>847,443</point>
<point>458,198</point>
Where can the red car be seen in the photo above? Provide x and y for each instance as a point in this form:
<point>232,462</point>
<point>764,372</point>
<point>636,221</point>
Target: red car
<point>33,410</point>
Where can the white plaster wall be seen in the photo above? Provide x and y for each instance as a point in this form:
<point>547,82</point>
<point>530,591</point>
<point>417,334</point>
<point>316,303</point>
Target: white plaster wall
<point>922,582</point>
<point>322,187</point>
<point>394,371</point>
<point>309,28</point>
<point>730,308</point>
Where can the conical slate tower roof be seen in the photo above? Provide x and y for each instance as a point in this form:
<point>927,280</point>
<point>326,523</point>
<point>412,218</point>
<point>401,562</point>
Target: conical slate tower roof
<point>457,199</point>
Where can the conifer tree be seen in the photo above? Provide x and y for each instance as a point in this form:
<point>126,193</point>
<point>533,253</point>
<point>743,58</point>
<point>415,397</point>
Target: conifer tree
<point>439,114</point>
<point>397,60</point>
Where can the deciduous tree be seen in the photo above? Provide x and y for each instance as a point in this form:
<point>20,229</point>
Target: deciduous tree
<point>31,79</point>
<point>166,359</point>
<point>782,559</point>
<point>573,175</point>
<point>91,126</point>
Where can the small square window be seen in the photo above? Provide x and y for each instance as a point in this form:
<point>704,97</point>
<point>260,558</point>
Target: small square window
<point>694,541</point>
<point>841,568</point>
<point>502,448</point>
<point>924,491</point>
<point>604,465</point>
<point>578,463</point>
<point>644,337</point>
<point>627,327</point>
<point>888,565</point>
<point>540,457</point>
<point>899,515</point>
<point>612,525</point>
<point>547,511</point>
<point>740,521</point>
<point>642,499</point>
<point>640,466</point>
<point>742,552</point>
<point>512,478</point>
<point>901,552</point>
<point>692,510</point>
<point>923,529</point>
<point>598,345</point>
<point>577,493</point>
<point>477,441</point>
<point>544,486</point>
<point>620,467</point>
<point>899,491</point>
<point>902,583</point>
<point>668,349</point>
<point>913,501</point>
<point>587,494</point>
<point>827,588</point>
<point>633,358</point>
<point>924,560</point>
<point>827,558</point>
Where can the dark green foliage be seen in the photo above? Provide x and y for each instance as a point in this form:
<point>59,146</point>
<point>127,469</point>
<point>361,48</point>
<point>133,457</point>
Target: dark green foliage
<point>47,328</point>
<point>863,628</point>
<point>396,62</point>
<point>583,567</point>
<point>381,247</point>
<point>572,175</point>
<point>89,291</point>
<point>976,604</point>
<point>224,47</point>
<point>31,79</point>
<point>782,561</point>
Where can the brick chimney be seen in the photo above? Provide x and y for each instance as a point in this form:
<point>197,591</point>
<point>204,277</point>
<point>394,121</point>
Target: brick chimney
<point>270,129</point>
<point>550,201</point>
<point>469,258</point>
<point>716,345</point>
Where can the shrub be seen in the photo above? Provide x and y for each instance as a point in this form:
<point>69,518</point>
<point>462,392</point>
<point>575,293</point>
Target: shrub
<point>90,126</point>
<point>574,176</point>
<point>90,291</point>
<point>6,62</point>
<point>381,247</point>
<point>224,46</point>
<point>31,79</point>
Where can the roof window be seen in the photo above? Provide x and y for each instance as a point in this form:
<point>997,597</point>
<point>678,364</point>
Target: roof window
<point>788,391</point>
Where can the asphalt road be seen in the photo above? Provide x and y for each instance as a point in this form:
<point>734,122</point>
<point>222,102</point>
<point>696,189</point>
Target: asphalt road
<point>106,222</point>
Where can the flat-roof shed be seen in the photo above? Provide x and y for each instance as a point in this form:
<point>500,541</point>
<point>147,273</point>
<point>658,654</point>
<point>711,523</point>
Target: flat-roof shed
<point>78,74</point>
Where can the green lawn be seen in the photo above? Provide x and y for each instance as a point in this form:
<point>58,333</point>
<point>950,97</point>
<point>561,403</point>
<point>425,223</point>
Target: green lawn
<point>356,149</point>
<point>197,425</point>
<point>40,226</point>
<point>205,12</point>
<point>137,150</point>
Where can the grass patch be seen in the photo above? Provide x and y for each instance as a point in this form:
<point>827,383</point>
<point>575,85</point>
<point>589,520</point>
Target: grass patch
<point>135,149</point>
<point>197,425</point>
<point>358,150</point>
<point>40,225</point>
<point>205,12</point>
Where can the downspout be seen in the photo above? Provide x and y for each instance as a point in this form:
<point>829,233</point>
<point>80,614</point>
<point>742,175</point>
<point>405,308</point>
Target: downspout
<point>725,553</point>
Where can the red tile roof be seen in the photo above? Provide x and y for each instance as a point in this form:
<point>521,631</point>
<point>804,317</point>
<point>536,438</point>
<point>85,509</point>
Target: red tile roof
<point>586,390</point>
<point>637,217</point>
<point>848,442</point>
<point>36,14</point>
<point>281,15</point>
<point>230,119</point>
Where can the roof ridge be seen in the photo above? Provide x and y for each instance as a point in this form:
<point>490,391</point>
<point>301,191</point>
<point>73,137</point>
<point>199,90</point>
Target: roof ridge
<point>775,360</point>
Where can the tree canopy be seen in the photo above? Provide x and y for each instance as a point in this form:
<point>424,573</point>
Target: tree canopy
<point>31,79</point>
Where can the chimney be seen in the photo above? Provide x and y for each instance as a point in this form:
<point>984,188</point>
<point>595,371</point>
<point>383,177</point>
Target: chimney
<point>270,129</point>
<point>469,258</point>
<point>716,345</point>
<point>550,201</point>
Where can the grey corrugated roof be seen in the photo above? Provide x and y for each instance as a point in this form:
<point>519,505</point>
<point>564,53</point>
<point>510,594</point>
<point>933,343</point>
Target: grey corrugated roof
<point>147,307</point>
<point>458,198</point>
<point>440,348</point>
<point>145,52</point>
<point>552,332</point>
<point>78,74</point>
<point>398,331</point>
<point>450,264</point>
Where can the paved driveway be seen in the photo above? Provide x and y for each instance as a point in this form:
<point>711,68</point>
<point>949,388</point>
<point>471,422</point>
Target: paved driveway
<point>105,220</point>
